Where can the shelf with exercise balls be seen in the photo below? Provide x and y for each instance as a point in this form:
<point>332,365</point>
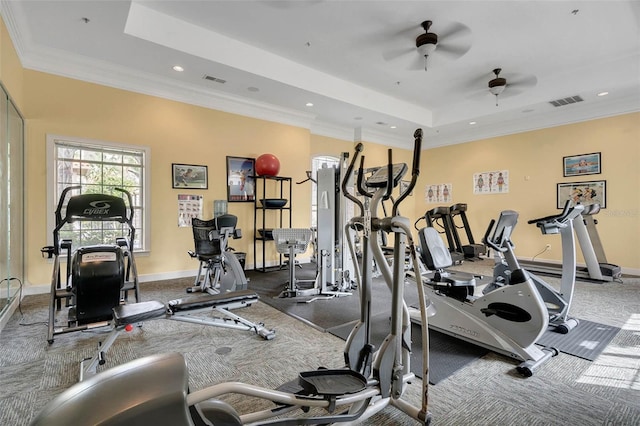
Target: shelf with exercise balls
<point>270,203</point>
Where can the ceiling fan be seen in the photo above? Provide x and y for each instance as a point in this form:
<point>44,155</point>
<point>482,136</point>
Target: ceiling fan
<point>453,40</point>
<point>503,87</point>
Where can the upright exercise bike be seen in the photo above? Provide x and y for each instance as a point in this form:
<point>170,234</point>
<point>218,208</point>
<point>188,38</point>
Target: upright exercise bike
<point>370,381</point>
<point>508,320</point>
<point>558,302</point>
<point>219,270</point>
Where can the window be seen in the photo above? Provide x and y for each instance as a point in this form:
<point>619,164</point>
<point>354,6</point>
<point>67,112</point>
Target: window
<point>319,162</point>
<point>98,167</point>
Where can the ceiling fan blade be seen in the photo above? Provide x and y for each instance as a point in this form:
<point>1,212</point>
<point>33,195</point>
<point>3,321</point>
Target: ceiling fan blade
<point>418,63</point>
<point>396,53</point>
<point>452,50</point>
<point>522,81</point>
<point>452,30</point>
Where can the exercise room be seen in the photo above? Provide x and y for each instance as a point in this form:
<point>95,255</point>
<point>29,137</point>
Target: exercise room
<point>319,212</point>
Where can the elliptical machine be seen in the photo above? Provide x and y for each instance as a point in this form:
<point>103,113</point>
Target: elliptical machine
<point>371,380</point>
<point>508,320</point>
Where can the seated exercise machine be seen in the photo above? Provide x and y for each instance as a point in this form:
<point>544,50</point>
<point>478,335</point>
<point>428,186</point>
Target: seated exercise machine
<point>371,380</point>
<point>219,270</point>
<point>597,268</point>
<point>558,302</point>
<point>439,216</point>
<point>125,316</point>
<point>293,241</point>
<point>508,320</point>
<point>98,277</point>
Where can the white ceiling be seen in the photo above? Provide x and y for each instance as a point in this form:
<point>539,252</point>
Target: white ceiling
<point>356,61</point>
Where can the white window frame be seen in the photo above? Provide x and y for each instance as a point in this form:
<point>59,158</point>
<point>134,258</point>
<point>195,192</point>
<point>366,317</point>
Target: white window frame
<point>52,182</point>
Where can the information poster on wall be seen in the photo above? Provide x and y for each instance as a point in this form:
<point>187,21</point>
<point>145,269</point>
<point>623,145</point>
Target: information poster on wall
<point>438,193</point>
<point>189,206</point>
<point>495,182</point>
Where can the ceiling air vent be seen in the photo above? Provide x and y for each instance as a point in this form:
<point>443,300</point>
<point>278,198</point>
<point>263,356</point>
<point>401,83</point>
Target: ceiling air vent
<point>566,101</point>
<point>216,79</point>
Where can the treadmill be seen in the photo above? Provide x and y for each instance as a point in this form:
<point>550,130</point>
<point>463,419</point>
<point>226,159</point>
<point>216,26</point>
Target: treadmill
<point>472,249</point>
<point>597,268</point>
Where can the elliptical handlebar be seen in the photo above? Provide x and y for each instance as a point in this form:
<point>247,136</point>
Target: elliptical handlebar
<point>415,170</point>
<point>347,176</point>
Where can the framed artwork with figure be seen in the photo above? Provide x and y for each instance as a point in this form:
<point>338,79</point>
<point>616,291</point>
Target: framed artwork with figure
<point>189,176</point>
<point>240,179</point>
<point>587,193</point>
<point>583,164</point>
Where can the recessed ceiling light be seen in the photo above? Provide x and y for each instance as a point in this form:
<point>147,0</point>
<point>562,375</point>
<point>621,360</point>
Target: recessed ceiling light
<point>309,104</point>
<point>472,123</point>
<point>603,93</point>
<point>253,89</point>
<point>393,127</point>
<point>178,68</point>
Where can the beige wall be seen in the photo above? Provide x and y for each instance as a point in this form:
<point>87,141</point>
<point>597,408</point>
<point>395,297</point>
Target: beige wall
<point>534,160</point>
<point>175,132</point>
<point>10,68</point>
<point>183,133</point>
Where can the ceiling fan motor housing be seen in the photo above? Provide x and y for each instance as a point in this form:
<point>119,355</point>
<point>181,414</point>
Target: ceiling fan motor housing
<point>497,82</point>
<point>428,40</point>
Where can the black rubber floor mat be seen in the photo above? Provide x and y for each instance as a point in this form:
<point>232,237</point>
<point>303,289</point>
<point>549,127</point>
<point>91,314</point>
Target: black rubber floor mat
<point>446,354</point>
<point>586,341</point>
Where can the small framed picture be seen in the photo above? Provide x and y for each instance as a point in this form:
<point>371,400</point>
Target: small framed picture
<point>586,193</point>
<point>583,164</point>
<point>240,179</point>
<point>189,176</point>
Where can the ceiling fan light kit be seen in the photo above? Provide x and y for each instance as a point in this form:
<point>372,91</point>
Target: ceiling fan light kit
<point>426,43</point>
<point>497,85</point>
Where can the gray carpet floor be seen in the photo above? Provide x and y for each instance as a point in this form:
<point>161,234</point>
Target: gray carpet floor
<point>566,391</point>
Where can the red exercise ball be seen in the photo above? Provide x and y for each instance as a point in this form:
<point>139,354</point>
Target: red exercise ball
<point>267,165</point>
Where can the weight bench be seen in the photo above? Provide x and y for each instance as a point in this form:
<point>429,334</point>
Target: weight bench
<point>124,316</point>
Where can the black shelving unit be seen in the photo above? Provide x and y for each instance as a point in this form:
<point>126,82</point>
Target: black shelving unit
<point>269,187</point>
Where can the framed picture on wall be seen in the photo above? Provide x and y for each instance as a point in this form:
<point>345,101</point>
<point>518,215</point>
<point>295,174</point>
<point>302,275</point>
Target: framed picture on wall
<point>240,179</point>
<point>189,176</point>
<point>583,164</point>
<point>586,193</point>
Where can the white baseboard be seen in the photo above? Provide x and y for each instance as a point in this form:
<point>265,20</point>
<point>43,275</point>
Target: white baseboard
<point>46,288</point>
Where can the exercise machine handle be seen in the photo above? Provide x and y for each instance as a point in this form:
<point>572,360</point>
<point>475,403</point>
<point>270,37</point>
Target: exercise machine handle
<point>348,175</point>
<point>130,200</point>
<point>557,217</point>
<point>488,241</point>
<point>415,170</point>
<point>361,188</point>
<point>63,196</point>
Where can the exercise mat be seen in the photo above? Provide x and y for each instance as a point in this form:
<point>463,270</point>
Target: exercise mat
<point>586,341</point>
<point>446,354</point>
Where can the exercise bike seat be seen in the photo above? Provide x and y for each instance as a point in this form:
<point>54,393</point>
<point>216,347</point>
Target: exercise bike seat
<point>436,258</point>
